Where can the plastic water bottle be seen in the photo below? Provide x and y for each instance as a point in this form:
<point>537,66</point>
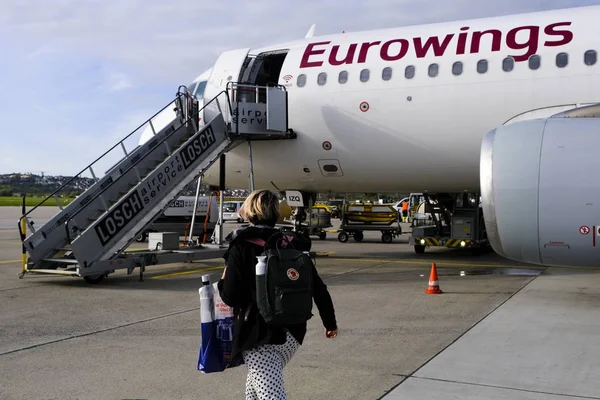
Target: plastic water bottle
<point>206,300</point>
<point>261,280</point>
<point>261,265</point>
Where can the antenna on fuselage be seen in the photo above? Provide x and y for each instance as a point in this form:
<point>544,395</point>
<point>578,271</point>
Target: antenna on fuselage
<point>311,31</point>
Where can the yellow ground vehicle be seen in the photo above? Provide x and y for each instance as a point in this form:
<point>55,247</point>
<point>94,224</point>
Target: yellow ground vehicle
<point>360,217</point>
<point>320,218</point>
<point>336,207</point>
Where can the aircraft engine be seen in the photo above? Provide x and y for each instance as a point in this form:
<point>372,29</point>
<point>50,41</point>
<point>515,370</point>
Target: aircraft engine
<point>540,188</point>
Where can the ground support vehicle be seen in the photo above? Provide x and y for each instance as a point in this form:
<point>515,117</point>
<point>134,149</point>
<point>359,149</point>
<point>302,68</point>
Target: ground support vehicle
<point>452,220</point>
<point>357,218</point>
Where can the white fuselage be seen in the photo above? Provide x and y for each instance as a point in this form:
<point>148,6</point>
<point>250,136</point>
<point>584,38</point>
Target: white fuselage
<point>424,133</point>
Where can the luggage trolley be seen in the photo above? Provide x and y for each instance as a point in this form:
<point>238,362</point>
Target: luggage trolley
<point>357,218</point>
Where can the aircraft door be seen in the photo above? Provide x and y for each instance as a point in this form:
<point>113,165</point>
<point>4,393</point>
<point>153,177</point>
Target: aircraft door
<point>227,69</point>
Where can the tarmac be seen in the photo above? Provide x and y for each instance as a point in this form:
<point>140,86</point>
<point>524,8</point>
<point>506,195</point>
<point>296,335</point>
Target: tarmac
<point>500,330</point>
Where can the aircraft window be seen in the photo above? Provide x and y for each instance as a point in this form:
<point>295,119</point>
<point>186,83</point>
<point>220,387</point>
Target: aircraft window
<point>433,70</point>
<point>409,72</point>
<point>200,90</point>
<point>322,78</point>
<point>562,59</point>
<point>590,57</point>
<point>482,66</point>
<point>301,80</point>
<point>386,74</point>
<point>508,64</point>
<point>364,75</point>
<point>330,168</point>
<point>457,68</point>
<point>343,77</point>
<point>535,61</point>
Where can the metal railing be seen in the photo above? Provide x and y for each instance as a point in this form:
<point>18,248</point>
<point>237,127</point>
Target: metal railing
<point>249,91</point>
<point>89,166</point>
<point>189,119</point>
<point>178,100</point>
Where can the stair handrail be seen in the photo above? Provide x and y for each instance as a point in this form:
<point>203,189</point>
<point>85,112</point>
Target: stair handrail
<point>149,120</point>
<point>237,85</point>
<point>190,119</point>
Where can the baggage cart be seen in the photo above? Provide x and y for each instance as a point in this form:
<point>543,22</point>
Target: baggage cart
<point>358,218</point>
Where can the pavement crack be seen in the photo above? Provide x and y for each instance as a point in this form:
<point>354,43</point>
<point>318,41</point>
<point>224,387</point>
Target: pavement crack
<point>98,331</point>
<point>355,270</point>
<point>20,287</point>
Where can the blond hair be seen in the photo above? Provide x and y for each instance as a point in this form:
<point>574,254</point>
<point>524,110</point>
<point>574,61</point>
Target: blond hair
<point>261,208</point>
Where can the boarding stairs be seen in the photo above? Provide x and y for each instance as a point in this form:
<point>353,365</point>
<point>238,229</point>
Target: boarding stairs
<point>89,236</point>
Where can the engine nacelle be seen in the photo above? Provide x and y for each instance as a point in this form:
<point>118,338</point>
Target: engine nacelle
<point>540,188</point>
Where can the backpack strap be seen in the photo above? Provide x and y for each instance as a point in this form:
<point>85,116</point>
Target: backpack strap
<point>257,241</point>
<point>287,239</point>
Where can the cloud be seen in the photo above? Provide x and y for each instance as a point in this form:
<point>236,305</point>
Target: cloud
<point>116,81</point>
<point>82,70</point>
<point>170,41</point>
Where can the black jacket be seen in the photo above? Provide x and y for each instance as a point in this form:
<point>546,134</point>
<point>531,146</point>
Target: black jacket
<point>238,291</point>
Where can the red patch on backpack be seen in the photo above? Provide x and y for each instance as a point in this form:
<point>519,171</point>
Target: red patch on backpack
<point>293,274</point>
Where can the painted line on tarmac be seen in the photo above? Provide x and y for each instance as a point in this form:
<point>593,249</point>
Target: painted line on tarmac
<point>437,263</point>
<point>9,261</point>
<point>10,242</point>
<point>136,249</point>
<point>194,271</point>
<point>443,264</point>
<point>324,253</point>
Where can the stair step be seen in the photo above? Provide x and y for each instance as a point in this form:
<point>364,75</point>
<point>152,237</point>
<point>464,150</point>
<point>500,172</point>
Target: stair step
<point>53,272</point>
<point>64,249</point>
<point>61,260</point>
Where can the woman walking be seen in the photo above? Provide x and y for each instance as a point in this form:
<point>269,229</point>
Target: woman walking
<point>266,349</point>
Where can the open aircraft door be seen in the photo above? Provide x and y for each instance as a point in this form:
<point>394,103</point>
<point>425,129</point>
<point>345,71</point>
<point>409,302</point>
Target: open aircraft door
<point>227,69</point>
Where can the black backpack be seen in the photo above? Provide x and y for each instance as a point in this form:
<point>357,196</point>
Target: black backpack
<point>284,294</point>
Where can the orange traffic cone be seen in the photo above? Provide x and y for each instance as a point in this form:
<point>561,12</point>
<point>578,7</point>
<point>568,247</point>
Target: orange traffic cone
<point>434,286</point>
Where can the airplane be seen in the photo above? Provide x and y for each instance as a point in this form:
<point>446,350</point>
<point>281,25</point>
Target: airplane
<point>442,109</point>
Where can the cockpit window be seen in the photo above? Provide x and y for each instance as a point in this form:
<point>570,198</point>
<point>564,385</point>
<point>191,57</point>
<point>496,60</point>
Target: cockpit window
<point>200,90</point>
<point>191,86</point>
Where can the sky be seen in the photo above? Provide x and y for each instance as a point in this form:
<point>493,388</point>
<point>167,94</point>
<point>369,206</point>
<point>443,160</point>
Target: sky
<point>78,75</point>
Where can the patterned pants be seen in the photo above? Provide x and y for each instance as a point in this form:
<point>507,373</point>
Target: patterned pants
<point>265,369</point>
